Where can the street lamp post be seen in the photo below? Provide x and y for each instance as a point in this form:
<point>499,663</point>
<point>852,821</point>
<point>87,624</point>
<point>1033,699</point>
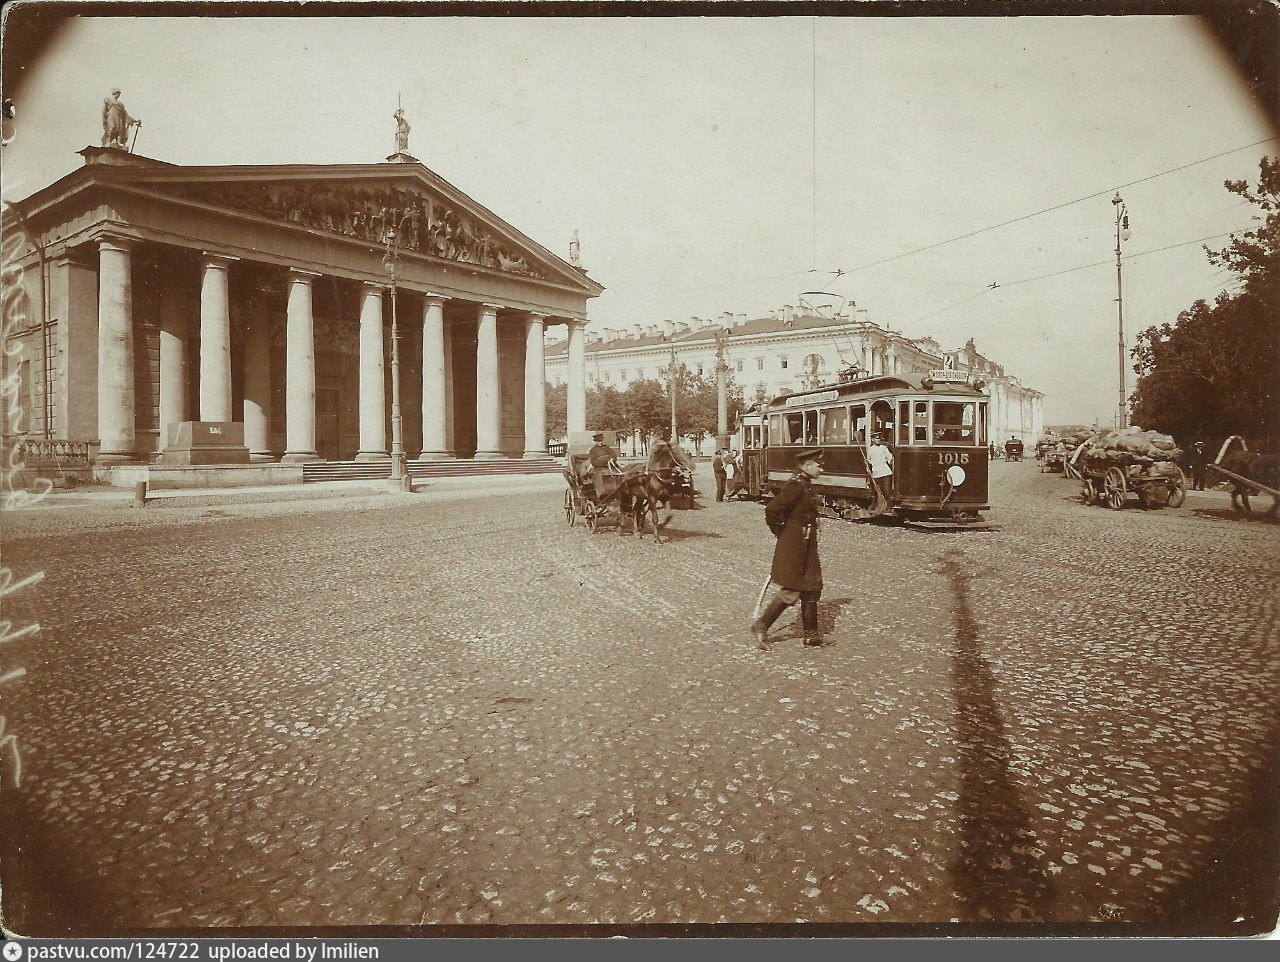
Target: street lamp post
<point>1122,233</point>
<point>674,439</point>
<point>390,261</point>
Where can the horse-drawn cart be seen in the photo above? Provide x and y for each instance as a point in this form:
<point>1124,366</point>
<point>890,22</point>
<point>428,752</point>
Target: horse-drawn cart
<point>1051,454</point>
<point>582,499</point>
<point>1156,486</point>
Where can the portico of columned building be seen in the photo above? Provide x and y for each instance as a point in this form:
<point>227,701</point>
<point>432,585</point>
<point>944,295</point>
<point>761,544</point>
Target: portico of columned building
<point>148,296</point>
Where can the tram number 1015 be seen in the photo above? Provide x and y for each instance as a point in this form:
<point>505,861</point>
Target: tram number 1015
<point>953,457</point>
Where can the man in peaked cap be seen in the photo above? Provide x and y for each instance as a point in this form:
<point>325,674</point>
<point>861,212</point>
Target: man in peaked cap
<point>601,456</point>
<point>792,516</point>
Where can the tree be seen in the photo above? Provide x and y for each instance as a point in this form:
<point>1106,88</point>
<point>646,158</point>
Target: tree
<point>558,410</point>
<point>1213,371</point>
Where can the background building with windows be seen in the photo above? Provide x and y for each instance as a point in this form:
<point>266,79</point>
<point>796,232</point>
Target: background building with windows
<point>791,349</point>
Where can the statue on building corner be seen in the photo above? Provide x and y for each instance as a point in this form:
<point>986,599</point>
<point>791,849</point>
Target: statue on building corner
<point>402,132</point>
<point>575,251</point>
<point>116,121</point>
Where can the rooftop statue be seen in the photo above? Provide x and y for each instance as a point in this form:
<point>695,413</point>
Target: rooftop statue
<point>575,251</point>
<point>402,132</point>
<point>116,122</point>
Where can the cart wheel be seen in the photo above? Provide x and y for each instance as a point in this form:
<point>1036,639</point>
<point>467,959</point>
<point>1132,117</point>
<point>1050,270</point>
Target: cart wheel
<point>1177,488</point>
<point>593,519</point>
<point>1087,491</point>
<point>1115,488</point>
<point>570,512</point>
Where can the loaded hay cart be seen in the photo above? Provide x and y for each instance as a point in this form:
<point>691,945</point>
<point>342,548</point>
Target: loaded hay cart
<point>1132,462</point>
<point>1051,453</point>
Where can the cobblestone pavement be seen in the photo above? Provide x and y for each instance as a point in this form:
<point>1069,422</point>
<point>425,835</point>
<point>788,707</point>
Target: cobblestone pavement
<point>453,708</point>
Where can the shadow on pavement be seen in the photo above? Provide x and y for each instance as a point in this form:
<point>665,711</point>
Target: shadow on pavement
<point>996,874</point>
<point>46,891</point>
<point>1238,877</point>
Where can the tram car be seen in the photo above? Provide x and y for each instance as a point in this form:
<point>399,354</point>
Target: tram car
<point>935,423</point>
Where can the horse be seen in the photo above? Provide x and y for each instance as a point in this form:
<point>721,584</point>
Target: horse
<point>1263,468</point>
<point>667,474</point>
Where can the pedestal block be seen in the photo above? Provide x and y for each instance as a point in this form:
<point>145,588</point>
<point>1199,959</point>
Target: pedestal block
<point>205,442</point>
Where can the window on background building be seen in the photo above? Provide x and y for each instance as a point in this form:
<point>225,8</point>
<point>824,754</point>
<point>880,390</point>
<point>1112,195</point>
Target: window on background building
<point>699,370</point>
<point>782,361</point>
<point>622,376</point>
<point>762,391</point>
<point>639,374</point>
<point>737,366</point>
<point>759,364</point>
<point>594,377</point>
<point>608,376</point>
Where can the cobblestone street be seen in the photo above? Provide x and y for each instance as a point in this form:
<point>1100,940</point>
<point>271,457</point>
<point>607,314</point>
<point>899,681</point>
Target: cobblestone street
<point>452,708</point>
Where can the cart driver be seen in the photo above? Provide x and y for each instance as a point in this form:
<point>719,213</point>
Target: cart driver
<point>602,458</point>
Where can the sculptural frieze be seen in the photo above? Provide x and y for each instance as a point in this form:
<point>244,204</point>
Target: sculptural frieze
<point>422,223</point>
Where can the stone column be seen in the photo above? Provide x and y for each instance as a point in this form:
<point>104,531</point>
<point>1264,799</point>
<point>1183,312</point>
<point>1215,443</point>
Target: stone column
<point>173,353</point>
<point>435,381</point>
<point>577,377</point>
<point>73,300</point>
<point>488,389</point>
<point>115,351</point>
<point>215,338</point>
<point>535,389</point>
<point>373,383</point>
<point>449,446</point>
<point>300,371</point>
<point>257,381</point>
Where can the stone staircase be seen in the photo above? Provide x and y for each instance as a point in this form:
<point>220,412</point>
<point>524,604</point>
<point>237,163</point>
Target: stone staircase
<point>381,470</point>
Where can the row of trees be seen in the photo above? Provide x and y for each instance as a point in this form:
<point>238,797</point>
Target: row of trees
<point>1213,372</point>
<point>645,406</point>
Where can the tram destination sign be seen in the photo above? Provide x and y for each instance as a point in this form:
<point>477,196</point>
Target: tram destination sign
<point>813,398</point>
<point>949,376</point>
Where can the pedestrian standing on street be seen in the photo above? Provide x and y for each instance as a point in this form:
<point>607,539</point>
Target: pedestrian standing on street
<point>991,450</point>
<point>880,459</point>
<point>732,472</point>
<point>717,468</point>
<point>1196,461</point>
<point>792,516</point>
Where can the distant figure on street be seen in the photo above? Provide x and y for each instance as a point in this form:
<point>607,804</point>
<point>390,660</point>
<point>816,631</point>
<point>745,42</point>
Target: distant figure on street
<point>116,121</point>
<point>601,456</point>
<point>880,460</point>
<point>1196,460</point>
<point>792,516</point>
<point>717,468</point>
<point>991,449</point>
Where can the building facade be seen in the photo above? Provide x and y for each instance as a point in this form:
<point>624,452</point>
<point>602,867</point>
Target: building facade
<point>140,295</point>
<point>788,350</point>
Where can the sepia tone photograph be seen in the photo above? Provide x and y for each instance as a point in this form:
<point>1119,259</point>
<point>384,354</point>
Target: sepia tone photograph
<point>770,470</point>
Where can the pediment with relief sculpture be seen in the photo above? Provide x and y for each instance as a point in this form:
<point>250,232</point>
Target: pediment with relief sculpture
<point>425,223</point>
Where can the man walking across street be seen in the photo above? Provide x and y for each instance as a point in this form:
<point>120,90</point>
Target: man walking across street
<point>880,460</point>
<point>1196,461</point>
<point>792,516</point>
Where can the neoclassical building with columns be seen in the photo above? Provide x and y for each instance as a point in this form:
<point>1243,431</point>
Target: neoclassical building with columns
<point>141,296</point>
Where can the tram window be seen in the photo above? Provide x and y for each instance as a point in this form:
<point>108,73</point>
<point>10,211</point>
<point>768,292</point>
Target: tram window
<point>858,419</point>
<point>954,423</point>
<point>776,428</point>
<point>810,427</point>
<point>920,422</point>
<point>835,426</point>
<point>793,428</point>
<point>904,422</point>
<point>982,425</point>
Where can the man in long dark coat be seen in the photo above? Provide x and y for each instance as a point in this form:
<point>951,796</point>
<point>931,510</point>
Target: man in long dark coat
<point>792,516</point>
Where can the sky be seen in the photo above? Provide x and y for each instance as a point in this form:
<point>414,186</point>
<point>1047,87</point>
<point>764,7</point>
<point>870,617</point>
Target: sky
<point>732,164</point>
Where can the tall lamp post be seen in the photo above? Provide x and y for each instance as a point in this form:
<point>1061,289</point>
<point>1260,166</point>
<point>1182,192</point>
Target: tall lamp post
<point>674,439</point>
<point>1122,233</point>
<point>390,261</point>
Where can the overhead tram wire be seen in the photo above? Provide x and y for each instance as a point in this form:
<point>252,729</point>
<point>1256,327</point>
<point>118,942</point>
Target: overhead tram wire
<point>1047,210</point>
<point>1069,270</point>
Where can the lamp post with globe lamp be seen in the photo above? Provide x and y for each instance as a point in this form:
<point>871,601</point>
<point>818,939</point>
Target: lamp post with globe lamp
<point>1122,234</point>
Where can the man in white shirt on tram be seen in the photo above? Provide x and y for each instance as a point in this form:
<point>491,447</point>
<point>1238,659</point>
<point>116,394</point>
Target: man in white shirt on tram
<point>880,460</point>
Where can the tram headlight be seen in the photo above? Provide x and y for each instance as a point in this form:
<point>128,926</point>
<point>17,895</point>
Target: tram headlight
<point>955,475</point>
